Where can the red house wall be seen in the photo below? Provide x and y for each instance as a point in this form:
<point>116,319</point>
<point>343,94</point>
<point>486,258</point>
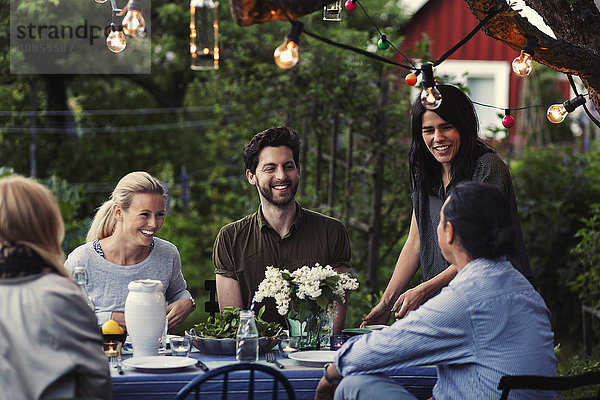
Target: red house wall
<point>446,22</point>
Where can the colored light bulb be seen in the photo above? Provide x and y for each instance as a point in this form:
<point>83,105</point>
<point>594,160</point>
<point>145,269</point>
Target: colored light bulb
<point>383,43</point>
<point>350,5</point>
<point>411,79</point>
<point>508,121</point>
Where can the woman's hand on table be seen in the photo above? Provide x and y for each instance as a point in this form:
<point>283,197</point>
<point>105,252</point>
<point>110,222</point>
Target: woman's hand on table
<point>379,315</point>
<point>178,311</point>
<point>410,300</point>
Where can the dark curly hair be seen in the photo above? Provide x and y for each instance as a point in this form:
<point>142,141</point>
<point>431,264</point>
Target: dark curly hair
<point>277,136</point>
<point>482,218</point>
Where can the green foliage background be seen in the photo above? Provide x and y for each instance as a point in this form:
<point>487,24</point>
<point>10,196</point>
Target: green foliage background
<point>87,154</point>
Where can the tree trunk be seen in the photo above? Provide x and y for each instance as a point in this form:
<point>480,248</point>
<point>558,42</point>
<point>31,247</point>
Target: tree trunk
<point>375,225</point>
<point>577,26</point>
<point>333,144</point>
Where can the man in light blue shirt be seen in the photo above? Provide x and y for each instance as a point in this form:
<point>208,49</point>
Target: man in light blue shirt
<point>488,322</point>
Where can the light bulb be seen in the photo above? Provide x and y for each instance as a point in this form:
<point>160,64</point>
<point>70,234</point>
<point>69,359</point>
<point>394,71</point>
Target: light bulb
<point>286,55</point>
<point>508,121</point>
<point>134,24</point>
<point>522,65</point>
<point>350,5</point>
<point>431,98</point>
<point>383,43</point>
<point>556,113</point>
<point>411,79</point>
<point>116,41</point>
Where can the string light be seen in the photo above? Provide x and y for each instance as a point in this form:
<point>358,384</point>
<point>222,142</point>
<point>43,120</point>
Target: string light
<point>204,35</point>
<point>134,23</point>
<point>115,40</point>
<point>350,5</point>
<point>558,112</point>
<point>508,121</point>
<point>333,11</point>
<point>523,64</point>
<point>431,98</point>
<point>383,43</point>
<point>286,54</point>
<point>411,79</point>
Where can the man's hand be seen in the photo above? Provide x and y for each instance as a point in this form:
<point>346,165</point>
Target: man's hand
<point>178,311</point>
<point>325,390</point>
<point>379,315</point>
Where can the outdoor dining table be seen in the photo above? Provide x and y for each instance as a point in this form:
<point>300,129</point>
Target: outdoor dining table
<point>133,384</point>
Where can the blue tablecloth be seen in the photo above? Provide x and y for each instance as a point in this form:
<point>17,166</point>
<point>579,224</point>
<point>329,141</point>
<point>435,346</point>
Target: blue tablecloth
<point>163,386</point>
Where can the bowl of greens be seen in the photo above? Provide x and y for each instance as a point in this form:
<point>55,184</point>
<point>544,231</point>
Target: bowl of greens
<point>217,335</point>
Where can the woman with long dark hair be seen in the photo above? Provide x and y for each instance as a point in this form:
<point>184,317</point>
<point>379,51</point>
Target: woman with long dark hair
<point>445,150</point>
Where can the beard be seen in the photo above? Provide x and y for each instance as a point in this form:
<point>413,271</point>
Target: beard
<point>267,193</point>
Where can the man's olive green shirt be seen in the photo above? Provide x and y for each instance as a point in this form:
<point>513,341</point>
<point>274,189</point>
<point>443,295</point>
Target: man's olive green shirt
<point>243,249</point>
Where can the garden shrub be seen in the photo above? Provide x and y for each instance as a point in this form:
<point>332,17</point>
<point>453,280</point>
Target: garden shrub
<point>555,188</point>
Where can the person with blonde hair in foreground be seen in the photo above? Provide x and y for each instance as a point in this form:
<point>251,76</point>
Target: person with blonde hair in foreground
<point>50,345</point>
<point>122,247</point>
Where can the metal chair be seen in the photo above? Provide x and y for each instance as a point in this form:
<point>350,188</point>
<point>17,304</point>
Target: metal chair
<point>222,375</point>
<point>556,383</point>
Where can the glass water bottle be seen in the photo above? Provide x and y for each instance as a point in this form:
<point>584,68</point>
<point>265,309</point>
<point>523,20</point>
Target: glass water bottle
<point>247,338</point>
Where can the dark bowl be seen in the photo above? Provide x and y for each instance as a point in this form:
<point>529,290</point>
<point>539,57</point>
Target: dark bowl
<point>113,338</point>
<point>226,347</point>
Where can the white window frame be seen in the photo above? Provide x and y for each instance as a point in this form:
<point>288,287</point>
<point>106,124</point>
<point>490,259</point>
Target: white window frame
<point>499,71</point>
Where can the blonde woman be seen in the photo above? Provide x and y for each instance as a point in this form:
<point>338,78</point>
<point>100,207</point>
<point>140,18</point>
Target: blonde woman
<point>50,346</point>
<point>122,247</point>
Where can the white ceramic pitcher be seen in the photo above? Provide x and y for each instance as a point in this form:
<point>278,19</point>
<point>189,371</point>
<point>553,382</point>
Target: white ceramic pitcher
<point>145,312</point>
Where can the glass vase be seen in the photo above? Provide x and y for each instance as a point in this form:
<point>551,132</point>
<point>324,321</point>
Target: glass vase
<point>308,331</point>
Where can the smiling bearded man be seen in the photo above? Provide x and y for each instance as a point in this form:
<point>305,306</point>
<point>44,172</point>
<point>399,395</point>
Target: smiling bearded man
<point>280,233</point>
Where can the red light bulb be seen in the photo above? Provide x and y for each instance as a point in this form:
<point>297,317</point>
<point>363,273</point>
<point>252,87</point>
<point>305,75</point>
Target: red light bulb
<point>411,79</point>
<point>350,5</point>
<point>508,121</point>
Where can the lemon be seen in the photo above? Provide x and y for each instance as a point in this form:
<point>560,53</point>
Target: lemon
<point>111,327</point>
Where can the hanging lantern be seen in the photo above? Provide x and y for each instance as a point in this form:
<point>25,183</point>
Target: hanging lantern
<point>333,11</point>
<point>204,34</point>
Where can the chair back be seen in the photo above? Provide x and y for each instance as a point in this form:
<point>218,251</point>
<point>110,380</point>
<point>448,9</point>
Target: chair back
<point>555,383</point>
<point>221,377</point>
<point>211,306</point>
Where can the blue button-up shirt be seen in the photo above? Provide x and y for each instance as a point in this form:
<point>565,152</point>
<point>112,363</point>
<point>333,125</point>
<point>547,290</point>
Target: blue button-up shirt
<point>488,322</point>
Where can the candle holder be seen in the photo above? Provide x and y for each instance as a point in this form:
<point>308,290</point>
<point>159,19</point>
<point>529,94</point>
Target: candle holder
<point>180,346</point>
<point>288,345</point>
<point>337,341</point>
<point>113,349</point>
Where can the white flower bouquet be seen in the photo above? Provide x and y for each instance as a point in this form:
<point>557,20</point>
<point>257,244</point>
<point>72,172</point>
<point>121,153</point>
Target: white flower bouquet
<point>306,292</point>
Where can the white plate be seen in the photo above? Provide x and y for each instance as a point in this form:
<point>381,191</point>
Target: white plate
<point>159,363</point>
<point>313,358</point>
<point>375,327</point>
